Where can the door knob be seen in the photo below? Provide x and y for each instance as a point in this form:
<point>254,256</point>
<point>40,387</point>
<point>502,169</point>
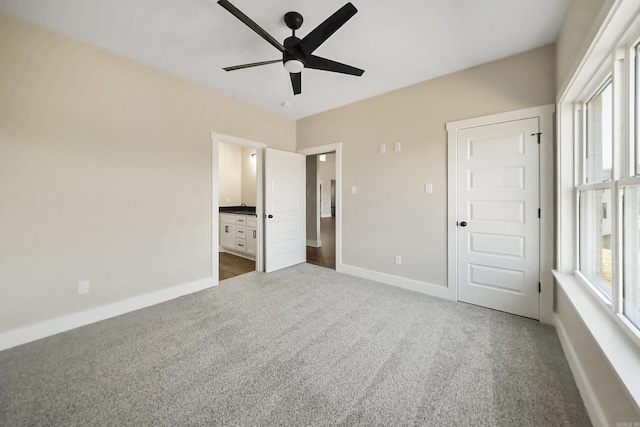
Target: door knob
<point>463,224</point>
<point>269,216</point>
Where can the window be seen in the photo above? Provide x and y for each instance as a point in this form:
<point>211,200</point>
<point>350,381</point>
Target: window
<point>631,254</point>
<point>636,105</point>
<point>595,238</point>
<point>598,193</point>
<point>606,132</point>
<point>595,208</point>
<point>599,146</point>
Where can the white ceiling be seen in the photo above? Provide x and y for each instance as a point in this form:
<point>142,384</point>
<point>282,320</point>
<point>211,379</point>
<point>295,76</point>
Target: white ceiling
<point>397,43</point>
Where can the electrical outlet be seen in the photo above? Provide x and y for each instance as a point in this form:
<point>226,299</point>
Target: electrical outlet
<point>83,287</point>
<point>428,188</point>
<point>397,146</point>
<point>353,189</point>
<point>398,260</point>
<point>383,148</point>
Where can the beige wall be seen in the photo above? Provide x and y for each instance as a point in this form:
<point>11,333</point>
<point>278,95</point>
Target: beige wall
<point>582,19</point>
<point>105,174</point>
<point>248,177</point>
<point>236,175</point>
<point>391,214</point>
<point>327,172</point>
<point>229,174</point>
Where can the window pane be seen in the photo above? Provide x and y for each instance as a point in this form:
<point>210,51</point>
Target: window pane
<point>631,258</point>
<point>599,148</point>
<point>637,108</point>
<point>595,238</point>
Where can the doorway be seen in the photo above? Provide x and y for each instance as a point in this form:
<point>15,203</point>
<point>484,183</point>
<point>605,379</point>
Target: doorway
<point>237,204</point>
<point>324,216</point>
<point>321,219</point>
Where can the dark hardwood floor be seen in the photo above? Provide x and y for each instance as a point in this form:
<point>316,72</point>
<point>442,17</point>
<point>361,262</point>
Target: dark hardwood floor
<point>325,256</point>
<point>232,265</point>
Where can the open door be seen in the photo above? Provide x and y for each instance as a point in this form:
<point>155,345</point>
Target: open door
<point>285,215</point>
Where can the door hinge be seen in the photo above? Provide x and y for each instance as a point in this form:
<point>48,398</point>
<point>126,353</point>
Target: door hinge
<point>539,133</point>
<point>539,288</point>
<point>539,213</point>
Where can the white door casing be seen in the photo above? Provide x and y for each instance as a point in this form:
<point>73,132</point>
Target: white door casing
<point>217,138</point>
<point>337,148</point>
<point>499,199</point>
<point>285,209</point>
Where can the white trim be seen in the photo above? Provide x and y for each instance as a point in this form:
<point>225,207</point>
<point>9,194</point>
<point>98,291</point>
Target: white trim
<point>618,347</point>
<point>400,282</point>
<point>238,254</point>
<point>591,403</point>
<point>216,138</point>
<point>328,148</point>
<point>71,321</point>
<point>618,15</point>
<point>326,216</point>
<point>545,115</point>
<point>314,243</point>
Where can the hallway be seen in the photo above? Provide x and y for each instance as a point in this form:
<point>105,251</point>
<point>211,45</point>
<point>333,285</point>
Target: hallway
<point>325,256</point>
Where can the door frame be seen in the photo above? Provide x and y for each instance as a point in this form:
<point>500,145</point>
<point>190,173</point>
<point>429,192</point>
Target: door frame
<point>216,139</point>
<point>337,148</point>
<point>545,115</point>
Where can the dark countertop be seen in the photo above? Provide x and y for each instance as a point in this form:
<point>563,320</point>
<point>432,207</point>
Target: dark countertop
<point>239,210</point>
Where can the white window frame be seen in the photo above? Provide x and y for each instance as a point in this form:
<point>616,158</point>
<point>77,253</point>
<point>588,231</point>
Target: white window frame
<point>610,52</point>
<point>619,68</point>
<point>595,87</point>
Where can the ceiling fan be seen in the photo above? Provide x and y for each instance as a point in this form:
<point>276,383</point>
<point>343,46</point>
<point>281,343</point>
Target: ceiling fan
<point>297,54</point>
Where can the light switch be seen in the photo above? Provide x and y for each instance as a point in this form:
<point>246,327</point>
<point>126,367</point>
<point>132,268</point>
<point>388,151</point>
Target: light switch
<point>428,188</point>
<point>397,146</point>
<point>383,148</point>
<point>353,189</point>
<point>83,287</point>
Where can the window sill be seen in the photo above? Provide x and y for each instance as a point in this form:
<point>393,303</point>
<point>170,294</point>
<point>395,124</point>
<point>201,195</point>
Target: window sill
<point>618,347</point>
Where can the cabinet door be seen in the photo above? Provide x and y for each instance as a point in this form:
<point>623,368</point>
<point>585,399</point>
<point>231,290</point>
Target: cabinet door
<point>227,218</point>
<point>252,241</point>
<point>228,236</point>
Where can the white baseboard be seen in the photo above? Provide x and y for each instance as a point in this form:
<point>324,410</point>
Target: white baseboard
<point>238,254</point>
<point>596,414</point>
<point>326,215</point>
<point>71,321</point>
<point>401,282</point>
<point>314,243</point>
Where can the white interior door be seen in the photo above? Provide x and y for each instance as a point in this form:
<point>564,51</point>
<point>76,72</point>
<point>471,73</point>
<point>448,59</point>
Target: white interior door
<point>498,216</point>
<point>285,210</point>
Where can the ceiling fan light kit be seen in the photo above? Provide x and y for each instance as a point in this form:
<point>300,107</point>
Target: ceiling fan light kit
<point>297,54</point>
<point>294,66</point>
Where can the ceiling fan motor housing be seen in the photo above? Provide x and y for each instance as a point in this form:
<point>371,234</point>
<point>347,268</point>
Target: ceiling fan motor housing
<point>293,20</point>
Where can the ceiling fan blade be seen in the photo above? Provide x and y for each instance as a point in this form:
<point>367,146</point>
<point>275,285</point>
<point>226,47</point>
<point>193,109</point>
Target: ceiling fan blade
<point>251,24</point>
<point>254,64</point>
<point>318,63</point>
<point>323,31</point>
<point>296,83</point>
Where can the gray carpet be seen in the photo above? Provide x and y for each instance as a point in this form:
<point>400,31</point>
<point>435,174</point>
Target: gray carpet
<point>302,346</point>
